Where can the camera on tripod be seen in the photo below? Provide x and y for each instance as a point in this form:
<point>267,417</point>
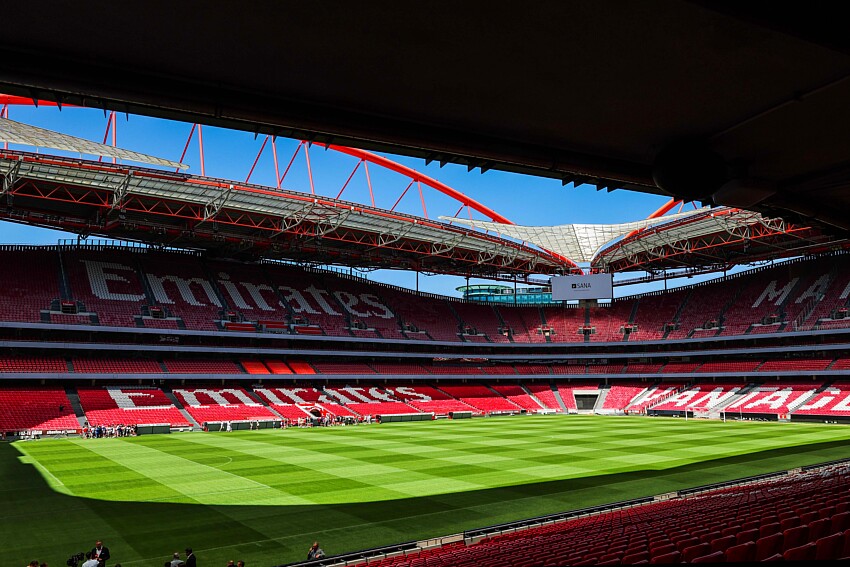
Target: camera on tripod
<point>75,559</point>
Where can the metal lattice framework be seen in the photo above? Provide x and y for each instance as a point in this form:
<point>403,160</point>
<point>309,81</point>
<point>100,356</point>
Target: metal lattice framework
<point>182,210</point>
<point>720,237</point>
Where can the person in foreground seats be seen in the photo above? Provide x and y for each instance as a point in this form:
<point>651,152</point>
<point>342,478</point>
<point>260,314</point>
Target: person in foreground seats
<point>100,553</point>
<point>315,551</point>
<point>190,558</point>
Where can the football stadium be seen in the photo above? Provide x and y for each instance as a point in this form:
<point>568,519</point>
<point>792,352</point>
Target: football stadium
<point>216,369</point>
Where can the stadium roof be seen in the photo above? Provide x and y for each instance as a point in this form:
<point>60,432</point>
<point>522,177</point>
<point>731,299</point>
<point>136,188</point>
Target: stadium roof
<point>25,134</point>
<point>720,237</point>
<point>245,220</point>
<point>739,103</point>
<point>578,242</point>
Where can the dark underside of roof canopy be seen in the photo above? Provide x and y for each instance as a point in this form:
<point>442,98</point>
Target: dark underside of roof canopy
<point>736,103</point>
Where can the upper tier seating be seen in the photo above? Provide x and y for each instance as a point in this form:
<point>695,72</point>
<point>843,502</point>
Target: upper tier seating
<point>653,313</point>
<point>399,368</point>
<point>794,365</point>
<point>480,318</point>
<point>109,285</point>
<point>343,368</point>
<point>32,364</point>
<point>116,366</point>
<point>202,367</point>
<point>524,323</point>
<point>29,282</point>
<point>36,409</point>
<point>180,284</point>
<point>119,286</point>
<point>131,405</point>
<point>564,324</point>
<point>731,366</point>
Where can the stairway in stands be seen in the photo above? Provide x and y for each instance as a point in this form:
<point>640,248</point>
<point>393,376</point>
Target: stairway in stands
<point>74,398</point>
<point>173,399</point>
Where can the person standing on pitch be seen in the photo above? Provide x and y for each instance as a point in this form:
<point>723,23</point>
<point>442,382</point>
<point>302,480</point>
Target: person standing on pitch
<point>190,558</point>
<point>100,553</point>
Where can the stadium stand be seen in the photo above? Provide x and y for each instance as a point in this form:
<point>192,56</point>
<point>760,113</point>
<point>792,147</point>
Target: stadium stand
<point>178,284</point>
<point>832,400</point>
<point>32,364</point>
<point>36,409</point>
<point>31,287</point>
<point>202,367</point>
<point>564,324</point>
<point>110,287</point>
<point>221,404</point>
<point>708,396</point>
<point>130,405</point>
<point>480,397</point>
<point>116,366</point>
<point>737,524</point>
<point>524,323</point>
<point>516,394</point>
<point>620,395</point>
<point>653,395</point>
<point>773,399</point>
<point>159,289</point>
<point>544,394</point>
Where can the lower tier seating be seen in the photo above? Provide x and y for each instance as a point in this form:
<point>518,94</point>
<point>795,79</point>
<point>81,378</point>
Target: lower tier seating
<point>800,517</point>
<point>36,409</point>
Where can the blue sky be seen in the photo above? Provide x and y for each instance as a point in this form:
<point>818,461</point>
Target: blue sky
<point>230,154</point>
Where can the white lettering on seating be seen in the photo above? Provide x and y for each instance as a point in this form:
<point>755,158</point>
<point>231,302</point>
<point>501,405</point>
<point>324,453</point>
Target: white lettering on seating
<point>774,401</point>
<point>301,305</point>
<point>230,287</point>
<point>335,394</point>
<point>124,400</point>
<point>816,289</point>
<point>184,286</point>
<point>410,392</point>
<point>373,301</point>
<point>191,396</point>
<point>682,399</point>
<point>355,391</point>
<point>843,405</point>
<point>377,394</point>
<point>715,397</point>
<point>270,396</point>
<point>98,279</point>
<point>823,400</point>
<point>744,399</point>
<point>773,295</point>
<point>292,394</point>
<point>349,300</point>
<point>319,296</point>
<point>845,293</point>
<point>254,291</point>
<point>654,394</point>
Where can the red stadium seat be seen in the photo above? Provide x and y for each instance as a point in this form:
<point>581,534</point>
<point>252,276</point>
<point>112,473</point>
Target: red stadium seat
<point>804,552</point>
<point>744,552</point>
<point>829,547</point>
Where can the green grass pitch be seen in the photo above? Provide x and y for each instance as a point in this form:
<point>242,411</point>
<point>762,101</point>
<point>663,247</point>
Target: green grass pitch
<point>264,496</point>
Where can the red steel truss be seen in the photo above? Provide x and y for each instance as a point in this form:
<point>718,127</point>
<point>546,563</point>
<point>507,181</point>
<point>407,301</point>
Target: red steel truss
<point>180,210</point>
